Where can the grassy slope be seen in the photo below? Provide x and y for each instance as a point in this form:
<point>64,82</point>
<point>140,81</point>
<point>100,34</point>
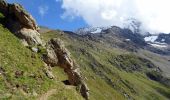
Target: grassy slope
<point>105,81</point>
<point>31,81</point>
<point>161,61</point>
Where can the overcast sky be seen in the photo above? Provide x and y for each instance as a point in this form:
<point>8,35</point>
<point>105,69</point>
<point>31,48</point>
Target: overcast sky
<point>73,14</point>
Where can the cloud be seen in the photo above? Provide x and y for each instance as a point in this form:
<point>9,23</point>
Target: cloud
<point>42,10</point>
<point>154,14</point>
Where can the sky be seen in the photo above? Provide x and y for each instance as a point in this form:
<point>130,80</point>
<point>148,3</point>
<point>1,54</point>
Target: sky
<point>49,13</point>
<point>72,14</point>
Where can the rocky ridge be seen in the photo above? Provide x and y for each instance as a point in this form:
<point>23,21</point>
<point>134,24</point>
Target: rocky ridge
<point>57,54</point>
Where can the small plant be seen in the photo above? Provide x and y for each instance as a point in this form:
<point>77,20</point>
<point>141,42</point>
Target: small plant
<point>42,50</point>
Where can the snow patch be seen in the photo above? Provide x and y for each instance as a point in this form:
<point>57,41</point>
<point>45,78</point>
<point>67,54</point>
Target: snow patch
<point>127,40</point>
<point>97,30</point>
<point>158,45</point>
<point>150,38</point>
<point>163,40</point>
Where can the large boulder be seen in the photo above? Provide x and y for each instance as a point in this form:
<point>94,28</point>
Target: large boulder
<point>25,19</point>
<point>20,23</point>
<point>31,36</point>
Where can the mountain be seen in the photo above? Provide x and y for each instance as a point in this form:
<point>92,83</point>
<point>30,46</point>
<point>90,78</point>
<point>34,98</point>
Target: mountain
<point>161,38</point>
<point>113,63</point>
<point>90,30</point>
<point>131,24</point>
<point>115,36</point>
<point>118,64</point>
<point>158,43</point>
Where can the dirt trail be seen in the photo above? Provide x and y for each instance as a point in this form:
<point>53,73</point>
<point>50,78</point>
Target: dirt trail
<point>52,91</point>
<point>47,94</point>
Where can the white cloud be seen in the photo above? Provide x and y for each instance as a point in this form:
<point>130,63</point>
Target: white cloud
<point>154,14</point>
<point>42,10</point>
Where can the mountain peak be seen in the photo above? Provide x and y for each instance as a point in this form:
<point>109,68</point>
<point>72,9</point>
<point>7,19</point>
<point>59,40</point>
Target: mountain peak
<point>90,30</point>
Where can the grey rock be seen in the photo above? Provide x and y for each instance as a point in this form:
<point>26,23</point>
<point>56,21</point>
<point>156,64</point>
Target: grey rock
<point>59,55</point>
<point>21,23</point>
<point>49,74</point>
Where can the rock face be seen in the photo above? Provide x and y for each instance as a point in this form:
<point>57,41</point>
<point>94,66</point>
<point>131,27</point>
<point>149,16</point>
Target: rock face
<point>50,58</point>
<point>56,50</point>
<point>20,22</point>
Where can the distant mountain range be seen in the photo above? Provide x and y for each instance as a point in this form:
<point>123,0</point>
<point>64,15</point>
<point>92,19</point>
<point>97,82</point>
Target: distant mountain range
<point>159,41</point>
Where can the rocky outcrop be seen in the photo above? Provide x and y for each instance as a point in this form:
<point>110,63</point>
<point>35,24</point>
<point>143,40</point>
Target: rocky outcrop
<point>50,58</point>
<point>56,51</point>
<point>20,22</point>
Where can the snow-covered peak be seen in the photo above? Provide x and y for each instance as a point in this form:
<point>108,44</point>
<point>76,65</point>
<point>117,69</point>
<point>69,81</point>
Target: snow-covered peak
<point>93,30</point>
<point>133,24</point>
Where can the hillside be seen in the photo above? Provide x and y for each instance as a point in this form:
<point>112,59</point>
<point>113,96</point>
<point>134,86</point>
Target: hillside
<point>115,73</point>
<point>46,64</point>
<point>23,74</point>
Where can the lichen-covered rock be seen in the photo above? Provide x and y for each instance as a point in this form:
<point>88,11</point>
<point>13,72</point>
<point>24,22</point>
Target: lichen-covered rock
<point>20,22</point>
<point>65,61</point>
<point>31,36</point>
<point>56,48</point>
<point>49,74</point>
<point>25,19</point>
<point>50,58</point>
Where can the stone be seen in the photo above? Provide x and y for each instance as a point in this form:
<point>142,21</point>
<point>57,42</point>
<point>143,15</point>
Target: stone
<point>34,49</point>
<point>34,93</point>
<point>21,23</point>
<point>49,74</point>
<point>24,42</point>
<point>23,17</point>
<point>29,35</point>
<point>50,58</point>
